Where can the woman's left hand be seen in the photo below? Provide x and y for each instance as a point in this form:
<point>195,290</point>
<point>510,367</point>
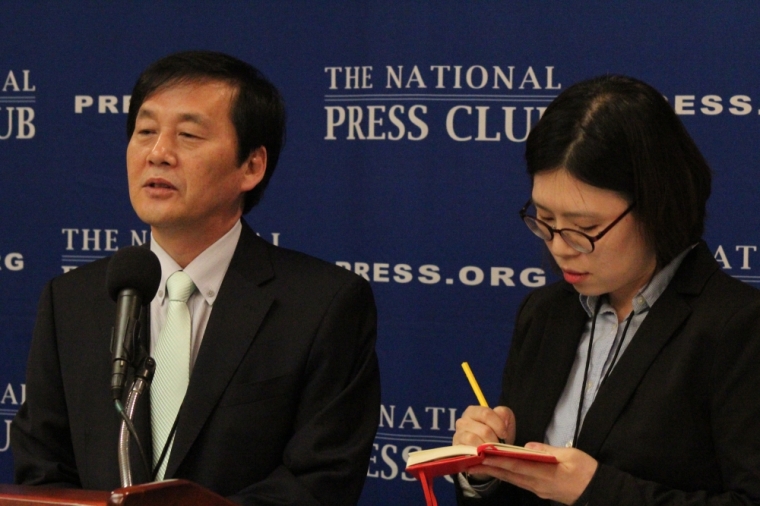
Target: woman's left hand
<point>563,482</point>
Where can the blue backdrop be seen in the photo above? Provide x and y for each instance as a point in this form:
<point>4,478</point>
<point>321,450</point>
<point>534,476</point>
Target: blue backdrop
<point>404,160</point>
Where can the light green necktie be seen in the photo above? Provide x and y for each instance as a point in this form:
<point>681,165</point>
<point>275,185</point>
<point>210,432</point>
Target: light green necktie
<point>172,356</point>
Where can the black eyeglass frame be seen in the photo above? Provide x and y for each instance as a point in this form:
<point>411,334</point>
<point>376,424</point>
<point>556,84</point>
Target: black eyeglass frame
<point>552,230</point>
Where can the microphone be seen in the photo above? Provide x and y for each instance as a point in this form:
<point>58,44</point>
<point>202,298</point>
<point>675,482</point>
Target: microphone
<point>132,279</point>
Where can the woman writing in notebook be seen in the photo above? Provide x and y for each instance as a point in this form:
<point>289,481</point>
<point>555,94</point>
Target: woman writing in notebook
<point>640,371</point>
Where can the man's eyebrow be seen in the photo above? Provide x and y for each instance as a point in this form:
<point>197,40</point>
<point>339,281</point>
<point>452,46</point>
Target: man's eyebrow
<point>145,113</point>
<point>192,118</point>
<point>187,116</point>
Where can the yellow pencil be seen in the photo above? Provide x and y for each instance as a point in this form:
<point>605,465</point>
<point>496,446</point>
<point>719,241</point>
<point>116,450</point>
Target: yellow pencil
<point>474,384</point>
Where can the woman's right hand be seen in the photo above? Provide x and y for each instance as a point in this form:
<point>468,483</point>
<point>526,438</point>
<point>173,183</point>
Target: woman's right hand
<point>480,424</point>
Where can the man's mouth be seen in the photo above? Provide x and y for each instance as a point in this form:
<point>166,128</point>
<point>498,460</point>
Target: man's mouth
<point>159,184</point>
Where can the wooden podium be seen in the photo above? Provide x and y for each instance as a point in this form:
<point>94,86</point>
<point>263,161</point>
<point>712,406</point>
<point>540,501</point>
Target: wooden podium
<point>164,493</point>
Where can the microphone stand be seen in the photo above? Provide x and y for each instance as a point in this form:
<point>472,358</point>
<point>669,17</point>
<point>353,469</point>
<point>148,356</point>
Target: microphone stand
<point>143,377</point>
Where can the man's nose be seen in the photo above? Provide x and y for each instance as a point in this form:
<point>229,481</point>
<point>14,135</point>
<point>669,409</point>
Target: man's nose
<point>163,151</point>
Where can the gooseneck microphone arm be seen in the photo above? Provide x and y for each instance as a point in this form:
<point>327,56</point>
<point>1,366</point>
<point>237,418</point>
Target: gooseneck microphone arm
<point>132,280</point>
<point>143,377</point>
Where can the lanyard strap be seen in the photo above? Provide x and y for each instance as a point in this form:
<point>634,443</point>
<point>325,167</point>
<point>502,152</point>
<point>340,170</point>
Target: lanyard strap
<point>588,363</point>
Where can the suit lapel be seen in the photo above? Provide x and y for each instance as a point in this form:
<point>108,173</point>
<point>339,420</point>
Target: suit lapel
<point>558,347</point>
<point>664,319</point>
<point>235,318</point>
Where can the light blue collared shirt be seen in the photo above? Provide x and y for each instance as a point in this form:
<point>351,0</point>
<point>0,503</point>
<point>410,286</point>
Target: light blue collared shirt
<point>607,337</point>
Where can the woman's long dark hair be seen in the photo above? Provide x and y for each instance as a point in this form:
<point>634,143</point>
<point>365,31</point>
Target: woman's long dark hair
<point>620,134</point>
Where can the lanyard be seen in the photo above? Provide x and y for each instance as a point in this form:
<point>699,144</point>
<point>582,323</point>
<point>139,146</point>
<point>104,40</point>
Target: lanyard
<point>588,363</point>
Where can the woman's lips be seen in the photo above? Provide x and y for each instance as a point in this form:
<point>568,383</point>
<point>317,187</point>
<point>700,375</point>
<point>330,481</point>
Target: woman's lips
<point>574,277</point>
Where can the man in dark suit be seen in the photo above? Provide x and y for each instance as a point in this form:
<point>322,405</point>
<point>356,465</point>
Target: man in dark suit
<point>283,395</point>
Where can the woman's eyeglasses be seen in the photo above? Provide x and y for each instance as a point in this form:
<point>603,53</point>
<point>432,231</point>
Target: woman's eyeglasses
<point>576,239</point>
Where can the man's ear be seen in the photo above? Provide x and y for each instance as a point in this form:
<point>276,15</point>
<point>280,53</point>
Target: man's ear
<point>254,168</point>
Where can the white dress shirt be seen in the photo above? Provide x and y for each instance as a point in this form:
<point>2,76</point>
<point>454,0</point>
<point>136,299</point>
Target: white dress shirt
<point>610,329</point>
<point>207,271</point>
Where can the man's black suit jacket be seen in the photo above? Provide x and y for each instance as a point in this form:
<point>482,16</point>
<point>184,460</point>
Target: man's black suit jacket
<point>283,401</point>
<point>678,420</point>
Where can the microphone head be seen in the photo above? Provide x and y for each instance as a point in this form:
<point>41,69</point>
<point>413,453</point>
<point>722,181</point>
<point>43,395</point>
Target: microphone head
<point>134,267</point>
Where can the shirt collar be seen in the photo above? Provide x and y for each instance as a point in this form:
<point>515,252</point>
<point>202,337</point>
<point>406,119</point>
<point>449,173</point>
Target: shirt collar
<point>207,270</point>
<point>648,295</point>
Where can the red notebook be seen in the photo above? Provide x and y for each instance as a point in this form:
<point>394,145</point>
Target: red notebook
<point>427,464</point>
